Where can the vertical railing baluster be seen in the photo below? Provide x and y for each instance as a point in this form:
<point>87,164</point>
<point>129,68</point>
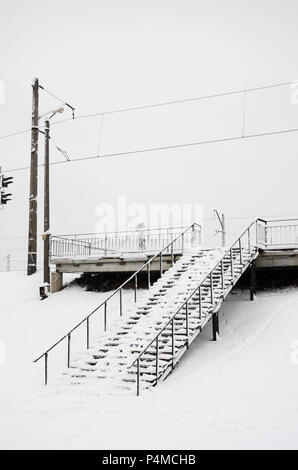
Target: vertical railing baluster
<point>138,376</point>
<point>232,263</point>
<point>211,288</point>
<point>87,332</point>
<point>46,368</point>
<point>157,360</point>
<point>172,254</point>
<point>222,275</point>
<point>200,299</point>
<point>149,279</point>
<point>120,300</point>
<point>240,250</point>
<point>248,240</point>
<point>160,263</point>
<point>136,287</point>
<point>105,316</point>
<point>68,350</point>
<point>182,251</point>
<point>186,324</point>
<point>173,344</point>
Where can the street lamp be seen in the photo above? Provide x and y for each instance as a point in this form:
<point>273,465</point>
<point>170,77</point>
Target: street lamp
<point>32,231</point>
<point>58,110</point>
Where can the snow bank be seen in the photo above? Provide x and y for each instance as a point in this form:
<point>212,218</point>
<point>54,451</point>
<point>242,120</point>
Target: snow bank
<point>240,392</point>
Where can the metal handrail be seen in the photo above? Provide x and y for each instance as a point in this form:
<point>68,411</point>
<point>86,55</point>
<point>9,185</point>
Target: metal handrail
<point>185,303</point>
<point>290,219</point>
<point>119,289</point>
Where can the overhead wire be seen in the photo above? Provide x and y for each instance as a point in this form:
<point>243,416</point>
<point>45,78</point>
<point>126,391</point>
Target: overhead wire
<point>154,149</point>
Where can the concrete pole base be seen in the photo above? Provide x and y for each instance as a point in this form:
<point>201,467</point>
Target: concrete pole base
<point>56,282</point>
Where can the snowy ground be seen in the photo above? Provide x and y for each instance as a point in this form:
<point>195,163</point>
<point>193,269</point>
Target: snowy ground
<point>240,392</point>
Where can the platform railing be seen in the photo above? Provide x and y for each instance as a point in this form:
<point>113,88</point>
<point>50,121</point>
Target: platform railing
<point>168,250</point>
<point>281,233</point>
<point>111,243</point>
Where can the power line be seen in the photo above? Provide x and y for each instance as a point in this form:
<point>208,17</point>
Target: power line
<point>167,147</point>
<point>154,105</point>
<point>186,100</point>
<point>15,133</point>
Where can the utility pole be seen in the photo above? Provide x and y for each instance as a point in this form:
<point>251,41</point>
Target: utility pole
<point>221,219</point>
<point>32,235</point>
<point>46,241</point>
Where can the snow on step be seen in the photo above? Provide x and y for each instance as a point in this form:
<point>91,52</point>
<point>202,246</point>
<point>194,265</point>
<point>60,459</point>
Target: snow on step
<point>115,350</point>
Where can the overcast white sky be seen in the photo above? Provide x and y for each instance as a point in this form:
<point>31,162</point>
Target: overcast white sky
<point>105,54</point>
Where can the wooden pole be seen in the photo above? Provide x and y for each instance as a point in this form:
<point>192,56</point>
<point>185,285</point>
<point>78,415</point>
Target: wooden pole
<point>32,235</point>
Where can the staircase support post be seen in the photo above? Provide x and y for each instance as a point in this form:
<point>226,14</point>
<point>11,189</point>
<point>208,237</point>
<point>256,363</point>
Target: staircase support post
<point>215,325</point>
<point>252,280</point>
<point>187,325</point>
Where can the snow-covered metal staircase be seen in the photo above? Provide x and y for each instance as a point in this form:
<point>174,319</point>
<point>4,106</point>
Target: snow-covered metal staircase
<point>144,346</point>
<point>114,350</point>
<point>146,342</point>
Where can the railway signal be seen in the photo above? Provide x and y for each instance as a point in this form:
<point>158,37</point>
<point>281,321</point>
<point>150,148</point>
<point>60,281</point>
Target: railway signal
<point>4,183</point>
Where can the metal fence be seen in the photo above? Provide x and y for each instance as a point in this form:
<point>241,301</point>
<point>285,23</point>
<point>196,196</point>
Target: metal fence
<point>111,243</point>
<point>281,232</point>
